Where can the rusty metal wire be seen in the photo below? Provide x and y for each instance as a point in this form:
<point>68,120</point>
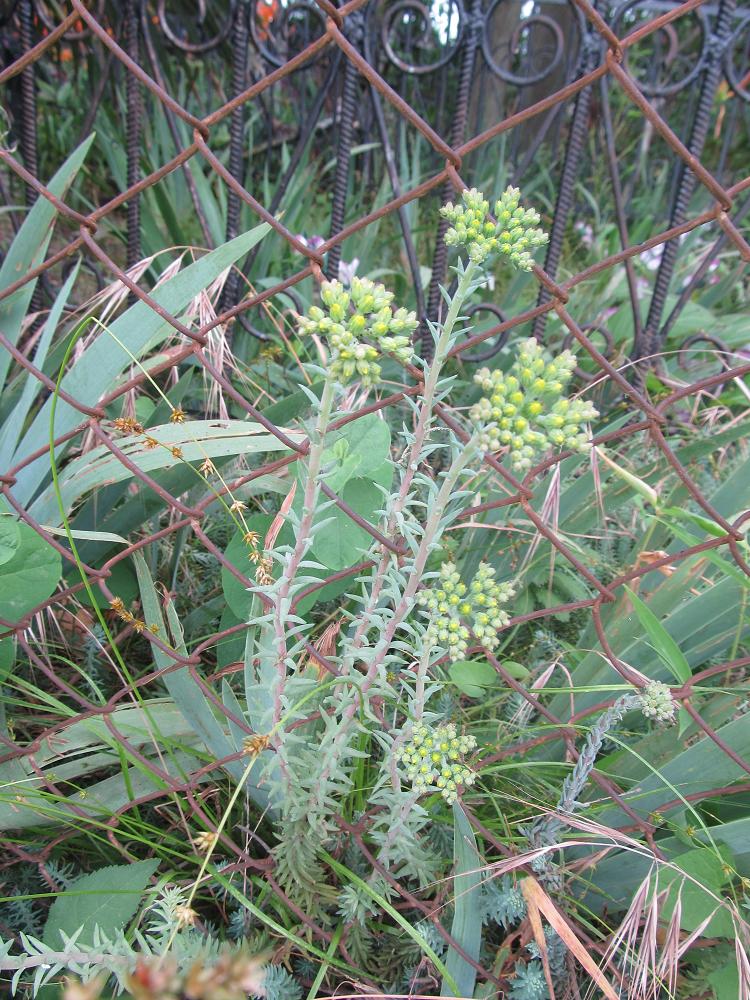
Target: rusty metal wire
<point>608,38</point>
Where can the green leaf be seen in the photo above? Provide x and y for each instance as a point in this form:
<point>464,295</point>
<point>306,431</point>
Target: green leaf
<point>662,641</point>
<point>195,439</point>
<point>240,599</point>
<point>29,576</point>
<point>187,694</point>
<point>699,768</point>
<point>358,450</point>
<point>121,581</point>
<point>42,809</point>
<point>618,875</point>
<point>709,526</point>
<point>725,981</point>
<point>466,929</point>
<point>516,670</point>
<point>106,898</point>
<point>10,538</point>
<point>28,250</point>
<point>7,655</point>
<point>13,426</point>
<point>139,329</point>
<point>472,677</point>
<point>342,542</point>
<point>698,893</point>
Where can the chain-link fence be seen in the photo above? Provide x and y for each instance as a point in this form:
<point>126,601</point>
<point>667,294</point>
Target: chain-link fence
<point>357,73</point>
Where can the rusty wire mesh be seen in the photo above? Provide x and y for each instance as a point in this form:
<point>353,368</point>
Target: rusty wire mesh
<point>607,61</point>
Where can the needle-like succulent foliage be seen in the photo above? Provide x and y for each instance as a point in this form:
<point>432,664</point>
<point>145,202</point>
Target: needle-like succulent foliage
<point>514,232</point>
<point>525,410</point>
<point>360,326</point>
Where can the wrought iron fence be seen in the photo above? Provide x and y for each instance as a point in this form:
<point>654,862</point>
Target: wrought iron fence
<point>359,71</point>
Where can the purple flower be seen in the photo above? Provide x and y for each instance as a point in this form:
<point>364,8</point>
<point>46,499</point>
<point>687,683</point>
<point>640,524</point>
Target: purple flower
<point>652,257</point>
<point>586,234</point>
<point>347,270</point>
<point>311,242</point>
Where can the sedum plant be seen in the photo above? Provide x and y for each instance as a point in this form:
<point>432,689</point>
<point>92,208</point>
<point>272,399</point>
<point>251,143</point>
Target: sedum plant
<point>411,614</point>
<point>513,232</point>
<point>433,757</point>
<point>451,604</point>
<point>526,410</point>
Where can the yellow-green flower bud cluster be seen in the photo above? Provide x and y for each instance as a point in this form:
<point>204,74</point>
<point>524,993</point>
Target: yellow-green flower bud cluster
<point>456,611</point>
<point>432,760</point>
<point>514,234</point>
<point>525,410</point>
<point>657,702</point>
<point>360,325</point>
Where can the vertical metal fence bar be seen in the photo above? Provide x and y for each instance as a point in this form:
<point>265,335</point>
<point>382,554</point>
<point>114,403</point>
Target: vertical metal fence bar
<point>133,99</point>
<point>619,205</point>
<point>240,41</point>
<point>349,91</point>
<point>715,44</point>
<point>458,130</point>
<point>28,98</point>
<point>590,49</point>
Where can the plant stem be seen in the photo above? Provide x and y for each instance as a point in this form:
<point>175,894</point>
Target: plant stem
<point>282,598</point>
<point>424,421</point>
<point>429,537</point>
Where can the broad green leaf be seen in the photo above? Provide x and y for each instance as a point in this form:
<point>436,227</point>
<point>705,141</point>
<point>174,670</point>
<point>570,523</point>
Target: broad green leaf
<point>29,576</point>
<point>725,982</point>
<point>467,916</point>
<point>473,676</point>
<point>230,649</point>
<point>121,581</point>
<point>706,623</point>
<point>697,900</point>
<point>195,439</point>
<point>662,641</point>
<point>107,899</point>
<point>13,426</point>
<point>357,450</point>
<point>702,766</point>
<point>28,250</point>
<point>23,806</point>
<point>260,792</point>
<point>187,694</point>
<point>7,655</point>
<point>10,538</point>
<point>342,542</point>
<point>140,329</point>
<point>240,599</point>
<point>292,405</point>
<point>516,670</point>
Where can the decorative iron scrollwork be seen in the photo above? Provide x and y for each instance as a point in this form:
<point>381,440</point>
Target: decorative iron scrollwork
<point>281,30</point>
<point>419,39</point>
<point>533,51</point>
<point>210,28</point>
<point>51,12</point>
<point>672,57</point>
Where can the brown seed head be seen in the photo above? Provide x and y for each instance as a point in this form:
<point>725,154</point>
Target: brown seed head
<point>256,744</point>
